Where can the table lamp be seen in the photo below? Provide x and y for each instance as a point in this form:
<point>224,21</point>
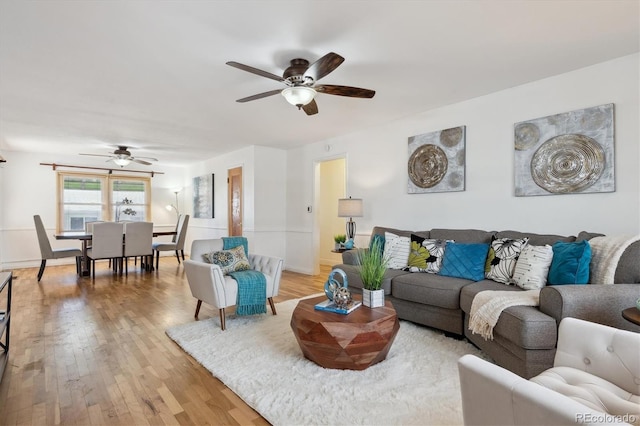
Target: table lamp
<point>350,207</point>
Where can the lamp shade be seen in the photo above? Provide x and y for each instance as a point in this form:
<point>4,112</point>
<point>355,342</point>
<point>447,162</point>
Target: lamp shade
<point>299,95</point>
<point>350,207</point>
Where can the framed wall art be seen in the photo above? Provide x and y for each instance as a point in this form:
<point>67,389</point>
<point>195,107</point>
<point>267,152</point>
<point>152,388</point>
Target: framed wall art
<point>568,153</point>
<point>437,161</point>
<point>203,197</point>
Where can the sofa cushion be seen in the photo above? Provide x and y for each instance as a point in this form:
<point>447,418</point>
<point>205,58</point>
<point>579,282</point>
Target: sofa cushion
<point>464,260</point>
<point>396,250</point>
<point>502,258</point>
<point>536,239</point>
<point>429,289</point>
<point>462,235</point>
<point>570,264</point>
<point>355,283</point>
<point>525,326</point>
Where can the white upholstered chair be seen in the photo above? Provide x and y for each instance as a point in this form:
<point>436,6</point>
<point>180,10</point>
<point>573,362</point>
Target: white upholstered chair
<point>176,244</point>
<point>106,243</point>
<point>48,253</point>
<point>595,379</point>
<point>208,283</point>
<point>138,240</point>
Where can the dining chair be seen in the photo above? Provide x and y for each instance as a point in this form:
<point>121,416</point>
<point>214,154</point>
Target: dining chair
<point>177,243</point>
<point>48,253</point>
<point>106,243</point>
<point>138,241</point>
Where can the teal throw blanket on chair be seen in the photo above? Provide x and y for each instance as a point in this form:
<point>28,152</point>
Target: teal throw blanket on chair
<point>232,242</point>
<point>252,292</point>
<point>252,285</point>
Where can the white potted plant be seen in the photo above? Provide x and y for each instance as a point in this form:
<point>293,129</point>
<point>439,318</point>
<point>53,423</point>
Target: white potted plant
<point>372,267</point>
<point>339,240</point>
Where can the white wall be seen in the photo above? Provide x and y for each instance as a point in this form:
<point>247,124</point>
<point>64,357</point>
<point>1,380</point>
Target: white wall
<point>27,189</point>
<point>377,165</point>
<point>264,172</point>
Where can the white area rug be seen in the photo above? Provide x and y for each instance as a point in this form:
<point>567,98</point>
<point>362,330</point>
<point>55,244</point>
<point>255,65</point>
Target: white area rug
<point>259,359</point>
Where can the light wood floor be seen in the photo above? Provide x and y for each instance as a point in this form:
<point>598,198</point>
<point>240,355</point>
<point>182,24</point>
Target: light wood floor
<point>85,352</point>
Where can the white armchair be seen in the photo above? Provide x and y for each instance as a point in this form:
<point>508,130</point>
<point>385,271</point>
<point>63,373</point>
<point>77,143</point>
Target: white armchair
<point>595,379</point>
<point>208,283</point>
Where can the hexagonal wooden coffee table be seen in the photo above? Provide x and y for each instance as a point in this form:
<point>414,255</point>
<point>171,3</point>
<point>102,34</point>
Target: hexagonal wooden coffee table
<point>349,342</point>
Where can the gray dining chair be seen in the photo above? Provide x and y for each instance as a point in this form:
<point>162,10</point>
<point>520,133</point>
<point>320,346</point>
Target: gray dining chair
<point>138,241</point>
<point>106,243</point>
<point>48,253</point>
<point>176,244</point>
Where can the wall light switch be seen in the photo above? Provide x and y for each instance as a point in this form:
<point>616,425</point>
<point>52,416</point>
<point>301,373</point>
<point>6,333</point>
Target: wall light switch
<point>309,209</point>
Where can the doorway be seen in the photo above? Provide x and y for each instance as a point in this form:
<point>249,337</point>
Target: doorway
<point>234,191</point>
<point>330,185</point>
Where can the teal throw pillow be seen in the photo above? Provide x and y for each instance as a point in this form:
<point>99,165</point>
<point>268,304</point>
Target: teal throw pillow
<point>464,260</point>
<point>229,260</point>
<point>570,264</point>
<point>378,241</point>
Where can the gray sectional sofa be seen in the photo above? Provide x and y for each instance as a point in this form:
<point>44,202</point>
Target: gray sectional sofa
<point>525,337</point>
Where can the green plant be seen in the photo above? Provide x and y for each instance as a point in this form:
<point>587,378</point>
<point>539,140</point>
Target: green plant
<point>372,266</point>
<point>340,238</point>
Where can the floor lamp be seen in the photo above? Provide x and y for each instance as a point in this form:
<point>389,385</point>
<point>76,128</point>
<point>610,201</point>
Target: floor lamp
<point>350,207</point>
<point>174,207</point>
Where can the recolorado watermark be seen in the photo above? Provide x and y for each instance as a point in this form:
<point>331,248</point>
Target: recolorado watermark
<point>605,418</point>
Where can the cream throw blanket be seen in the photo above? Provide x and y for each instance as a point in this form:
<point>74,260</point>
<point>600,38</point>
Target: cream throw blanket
<point>488,305</point>
<point>605,255</point>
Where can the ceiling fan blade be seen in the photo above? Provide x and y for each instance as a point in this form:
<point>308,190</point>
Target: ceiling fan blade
<point>259,96</point>
<point>311,108</point>
<point>352,92</point>
<point>137,160</point>
<point>97,155</point>
<point>253,70</point>
<point>146,158</point>
<point>324,66</point>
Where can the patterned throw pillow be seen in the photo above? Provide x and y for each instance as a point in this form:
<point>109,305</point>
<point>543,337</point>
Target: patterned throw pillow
<point>396,249</point>
<point>229,260</point>
<point>502,258</point>
<point>533,267</point>
<point>426,254</point>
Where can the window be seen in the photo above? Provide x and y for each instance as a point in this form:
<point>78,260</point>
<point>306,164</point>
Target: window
<point>89,197</point>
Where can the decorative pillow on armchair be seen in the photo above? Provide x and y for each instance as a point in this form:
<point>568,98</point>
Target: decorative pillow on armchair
<point>426,254</point>
<point>502,258</point>
<point>229,260</point>
<point>464,260</point>
<point>396,249</point>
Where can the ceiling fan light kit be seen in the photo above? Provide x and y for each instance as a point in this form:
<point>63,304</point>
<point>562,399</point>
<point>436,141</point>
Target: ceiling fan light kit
<point>122,157</point>
<point>301,78</point>
<point>299,95</point>
<point>121,161</point>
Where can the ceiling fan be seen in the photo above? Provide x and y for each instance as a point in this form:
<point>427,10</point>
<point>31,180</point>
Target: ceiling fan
<point>300,79</point>
<point>122,157</point>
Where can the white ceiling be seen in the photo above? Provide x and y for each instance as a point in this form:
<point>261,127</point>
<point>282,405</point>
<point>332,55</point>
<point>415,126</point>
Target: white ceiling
<point>85,76</point>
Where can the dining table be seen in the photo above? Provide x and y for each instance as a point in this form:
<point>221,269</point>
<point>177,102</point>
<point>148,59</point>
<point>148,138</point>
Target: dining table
<point>86,237</point>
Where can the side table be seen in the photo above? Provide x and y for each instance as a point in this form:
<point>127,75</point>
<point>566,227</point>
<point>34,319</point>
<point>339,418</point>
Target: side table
<point>632,314</point>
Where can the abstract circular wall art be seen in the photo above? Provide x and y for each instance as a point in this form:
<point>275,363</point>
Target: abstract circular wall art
<point>569,153</point>
<point>436,161</point>
<point>567,163</point>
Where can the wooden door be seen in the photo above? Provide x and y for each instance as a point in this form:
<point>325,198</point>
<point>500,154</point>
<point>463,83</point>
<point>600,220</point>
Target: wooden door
<point>234,203</point>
